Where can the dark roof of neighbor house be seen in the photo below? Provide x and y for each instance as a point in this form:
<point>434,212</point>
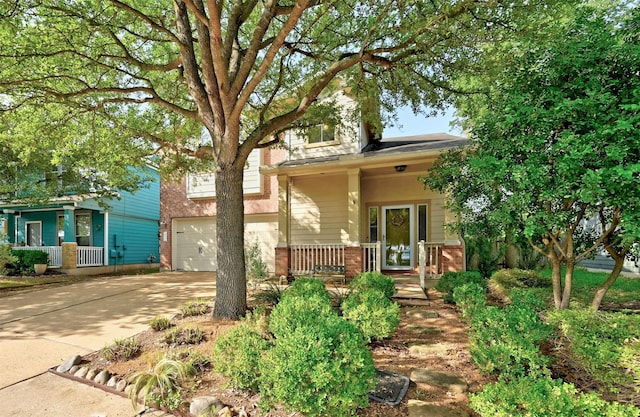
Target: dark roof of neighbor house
<point>388,146</point>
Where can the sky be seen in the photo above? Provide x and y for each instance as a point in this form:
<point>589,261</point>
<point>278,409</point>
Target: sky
<point>418,125</point>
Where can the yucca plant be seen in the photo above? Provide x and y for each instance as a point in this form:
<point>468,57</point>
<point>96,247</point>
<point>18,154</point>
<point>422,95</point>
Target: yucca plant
<point>161,383</point>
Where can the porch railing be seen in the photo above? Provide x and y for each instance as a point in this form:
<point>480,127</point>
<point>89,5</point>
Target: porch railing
<point>86,255</point>
<point>371,257</point>
<point>90,256</point>
<point>429,260</point>
<point>55,253</point>
<point>304,257</point>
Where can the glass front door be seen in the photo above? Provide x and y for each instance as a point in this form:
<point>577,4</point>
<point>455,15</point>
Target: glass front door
<point>397,237</point>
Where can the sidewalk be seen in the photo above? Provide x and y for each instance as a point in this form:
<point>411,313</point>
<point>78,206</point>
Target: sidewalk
<point>40,329</point>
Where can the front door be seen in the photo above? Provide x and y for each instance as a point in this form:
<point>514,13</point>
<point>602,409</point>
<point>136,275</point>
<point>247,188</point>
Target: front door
<point>397,237</point>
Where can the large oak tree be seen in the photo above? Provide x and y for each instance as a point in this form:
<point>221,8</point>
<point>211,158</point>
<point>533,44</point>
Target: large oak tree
<point>161,72</point>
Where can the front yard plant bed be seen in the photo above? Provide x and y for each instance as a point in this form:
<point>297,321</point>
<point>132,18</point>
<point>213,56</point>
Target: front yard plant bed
<point>444,332</point>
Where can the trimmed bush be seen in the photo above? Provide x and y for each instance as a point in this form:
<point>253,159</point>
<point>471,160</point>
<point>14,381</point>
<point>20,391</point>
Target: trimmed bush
<point>451,280</point>
<point>237,355</point>
<point>543,397</point>
<point>470,299</point>
<point>25,259</point>
<point>324,369</point>
<point>6,257</point>
<point>372,312</point>
<point>305,288</point>
<point>293,312</point>
<point>373,280</point>
<point>604,345</point>
<point>502,282</point>
<point>507,341</point>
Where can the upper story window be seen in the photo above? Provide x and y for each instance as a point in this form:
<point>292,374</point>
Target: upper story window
<point>321,134</point>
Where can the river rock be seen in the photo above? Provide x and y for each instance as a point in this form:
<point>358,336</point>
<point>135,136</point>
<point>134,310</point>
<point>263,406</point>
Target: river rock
<point>82,372</point>
<point>74,360</point>
<point>205,406</point>
<point>102,377</point>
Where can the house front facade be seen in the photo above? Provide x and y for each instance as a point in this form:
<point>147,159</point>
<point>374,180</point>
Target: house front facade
<point>79,232</point>
<point>334,197</point>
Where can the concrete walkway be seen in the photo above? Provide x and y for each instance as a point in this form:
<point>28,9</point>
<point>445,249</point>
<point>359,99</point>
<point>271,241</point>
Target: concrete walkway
<point>41,328</point>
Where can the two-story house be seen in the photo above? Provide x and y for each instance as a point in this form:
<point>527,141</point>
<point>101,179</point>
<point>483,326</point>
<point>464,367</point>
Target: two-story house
<point>85,234</point>
<point>336,196</point>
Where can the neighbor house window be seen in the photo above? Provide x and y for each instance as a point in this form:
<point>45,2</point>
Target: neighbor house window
<point>83,229</point>
<point>322,133</point>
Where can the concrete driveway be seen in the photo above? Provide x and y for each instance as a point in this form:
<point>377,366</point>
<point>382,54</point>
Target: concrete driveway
<point>41,328</point>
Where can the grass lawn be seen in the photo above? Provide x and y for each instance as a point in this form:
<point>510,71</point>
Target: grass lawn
<point>21,282</point>
<point>585,284</point>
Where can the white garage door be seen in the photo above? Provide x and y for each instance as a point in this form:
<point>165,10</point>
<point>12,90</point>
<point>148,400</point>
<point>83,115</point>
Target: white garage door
<point>195,244</point>
<point>195,241</point>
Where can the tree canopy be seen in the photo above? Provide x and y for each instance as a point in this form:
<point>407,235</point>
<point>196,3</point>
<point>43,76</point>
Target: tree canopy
<point>555,153</point>
<point>160,73</point>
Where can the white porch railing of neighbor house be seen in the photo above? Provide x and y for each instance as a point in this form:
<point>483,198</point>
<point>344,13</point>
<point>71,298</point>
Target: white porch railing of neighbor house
<point>55,253</point>
<point>90,256</point>
<point>304,257</point>
<point>429,260</point>
<point>371,257</point>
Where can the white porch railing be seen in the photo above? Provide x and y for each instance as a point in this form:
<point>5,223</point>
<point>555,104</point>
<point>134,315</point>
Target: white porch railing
<point>371,257</point>
<point>90,256</point>
<point>55,253</point>
<point>86,255</point>
<point>429,260</point>
<point>304,257</point>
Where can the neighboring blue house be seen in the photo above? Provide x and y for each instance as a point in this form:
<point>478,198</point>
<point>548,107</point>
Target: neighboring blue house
<point>78,232</point>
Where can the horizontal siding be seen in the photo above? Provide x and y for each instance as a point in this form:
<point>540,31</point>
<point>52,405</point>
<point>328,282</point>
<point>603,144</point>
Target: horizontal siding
<point>203,185</point>
<point>139,236</point>
<point>319,210</point>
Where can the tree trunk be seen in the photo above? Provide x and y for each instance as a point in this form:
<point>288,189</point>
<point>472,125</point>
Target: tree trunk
<point>231,289</point>
<point>602,290</point>
<point>568,284</point>
<point>556,280</point>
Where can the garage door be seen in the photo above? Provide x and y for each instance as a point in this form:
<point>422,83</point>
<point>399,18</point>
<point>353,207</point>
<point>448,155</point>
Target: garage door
<point>195,244</point>
<point>195,241</point>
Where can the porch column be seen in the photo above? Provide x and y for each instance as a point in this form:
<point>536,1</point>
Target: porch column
<point>284,204</point>
<point>69,255</point>
<point>69,224</point>
<point>354,206</point>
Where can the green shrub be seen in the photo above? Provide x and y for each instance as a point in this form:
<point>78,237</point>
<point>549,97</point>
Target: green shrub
<point>256,267</point>
<point>373,280</point>
<point>25,259</point>
<point>184,336</point>
<point>161,384</point>
<point>194,308</point>
<point>6,257</point>
<point>319,370</point>
<point>470,299</point>
<point>293,312</point>
<point>502,282</point>
<point>604,345</point>
<point>122,349</point>
<point>372,312</point>
<point>237,356</point>
<point>159,323</point>
<point>506,341</point>
<point>451,280</point>
<point>543,397</point>
<point>306,287</point>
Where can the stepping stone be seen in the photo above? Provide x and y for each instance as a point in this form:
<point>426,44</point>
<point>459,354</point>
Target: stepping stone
<point>428,349</point>
<point>423,314</point>
<point>411,302</point>
<point>419,408</point>
<point>425,330</point>
<point>390,387</point>
<point>452,383</point>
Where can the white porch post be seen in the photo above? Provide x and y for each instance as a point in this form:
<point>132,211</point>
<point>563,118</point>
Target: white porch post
<point>106,238</point>
<point>354,206</point>
<point>284,203</point>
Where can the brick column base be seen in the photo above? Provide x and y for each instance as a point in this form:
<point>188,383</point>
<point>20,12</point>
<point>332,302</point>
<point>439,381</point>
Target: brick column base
<point>452,258</point>
<point>282,261</point>
<point>353,261</point>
